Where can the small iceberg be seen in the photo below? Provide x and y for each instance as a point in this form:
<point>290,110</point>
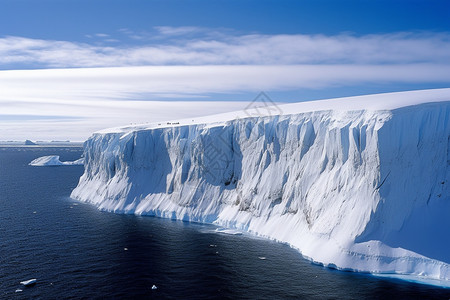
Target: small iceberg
<point>229,231</point>
<point>154,287</point>
<point>19,290</point>
<point>53,160</point>
<point>28,282</point>
<point>262,257</point>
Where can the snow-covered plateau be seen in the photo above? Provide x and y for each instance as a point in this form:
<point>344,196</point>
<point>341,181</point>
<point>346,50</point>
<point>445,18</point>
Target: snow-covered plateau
<point>53,160</point>
<point>359,183</point>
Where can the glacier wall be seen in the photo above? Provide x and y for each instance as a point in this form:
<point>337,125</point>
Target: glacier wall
<point>363,190</point>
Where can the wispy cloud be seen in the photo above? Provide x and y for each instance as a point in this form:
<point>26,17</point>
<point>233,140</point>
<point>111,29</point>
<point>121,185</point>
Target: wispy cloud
<point>37,117</point>
<point>157,82</point>
<point>179,31</point>
<point>102,35</point>
<point>86,100</point>
<point>180,47</point>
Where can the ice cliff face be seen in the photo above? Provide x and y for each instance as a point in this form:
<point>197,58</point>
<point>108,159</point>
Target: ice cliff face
<point>359,189</point>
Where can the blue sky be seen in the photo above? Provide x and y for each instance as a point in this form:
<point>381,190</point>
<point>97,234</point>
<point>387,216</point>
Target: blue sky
<point>73,19</point>
<point>227,51</point>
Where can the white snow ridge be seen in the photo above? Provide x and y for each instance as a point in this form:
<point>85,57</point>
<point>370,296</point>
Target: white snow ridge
<point>360,183</point>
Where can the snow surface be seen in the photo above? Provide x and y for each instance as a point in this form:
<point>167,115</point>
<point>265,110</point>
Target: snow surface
<point>53,160</point>
<point>360,183</point>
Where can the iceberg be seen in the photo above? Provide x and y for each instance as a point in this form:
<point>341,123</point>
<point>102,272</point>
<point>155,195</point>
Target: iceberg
<point>358,183</point>
<point>29,143</point>
<point>53,160</point>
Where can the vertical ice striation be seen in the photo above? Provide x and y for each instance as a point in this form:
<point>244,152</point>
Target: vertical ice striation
<point>365,190</point>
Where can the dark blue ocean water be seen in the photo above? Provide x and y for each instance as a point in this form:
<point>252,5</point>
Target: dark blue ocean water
<point>78,252</point>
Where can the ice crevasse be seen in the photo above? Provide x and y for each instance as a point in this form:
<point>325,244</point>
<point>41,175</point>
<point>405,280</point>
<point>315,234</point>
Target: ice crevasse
<point>359,183</point>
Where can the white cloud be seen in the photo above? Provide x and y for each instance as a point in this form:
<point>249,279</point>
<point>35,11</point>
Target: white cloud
<point>102,35</point>
<point>177,31</point>
<point>78,120</point>
<point>86,100</point>
<point>126,82</point>
<point>179,47</point>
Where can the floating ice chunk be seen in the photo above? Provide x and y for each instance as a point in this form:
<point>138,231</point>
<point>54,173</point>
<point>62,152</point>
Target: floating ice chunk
<point>228,231</point>
<point>19,290</point>
<point>53,160</point>
<point>28,282</point>
<point>262,257</point>
<point>154,287</point>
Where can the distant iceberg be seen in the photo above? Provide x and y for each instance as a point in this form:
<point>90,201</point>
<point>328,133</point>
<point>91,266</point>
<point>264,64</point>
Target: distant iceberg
<point>29,143</point>
<point>53,160</point>
<point>359,183</point>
